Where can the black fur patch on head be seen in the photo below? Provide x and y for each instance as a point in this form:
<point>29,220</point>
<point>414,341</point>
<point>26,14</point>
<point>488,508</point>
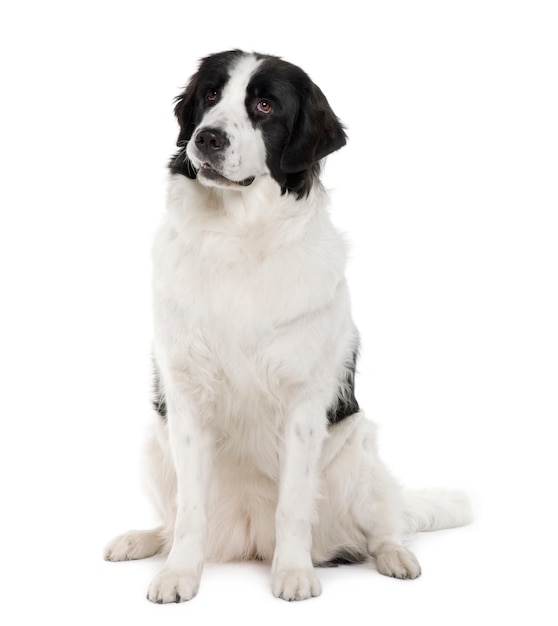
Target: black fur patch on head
<point>300,131</point>
<point>213,72</point>
<point>302,128</point>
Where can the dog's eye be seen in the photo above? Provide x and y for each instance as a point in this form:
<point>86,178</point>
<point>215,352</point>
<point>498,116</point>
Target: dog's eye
<point>211,95</point>
<point>264,106</point>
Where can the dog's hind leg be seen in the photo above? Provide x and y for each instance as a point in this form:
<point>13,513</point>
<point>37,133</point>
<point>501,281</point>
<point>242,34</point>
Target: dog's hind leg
<point>380,514</point>
<point>379,510</point>
<point>375,520</point>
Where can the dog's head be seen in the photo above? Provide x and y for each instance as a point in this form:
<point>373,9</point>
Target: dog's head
<point>247,115</point>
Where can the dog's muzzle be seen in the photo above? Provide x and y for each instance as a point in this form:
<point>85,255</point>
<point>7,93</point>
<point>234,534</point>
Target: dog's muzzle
<point>210,146</point>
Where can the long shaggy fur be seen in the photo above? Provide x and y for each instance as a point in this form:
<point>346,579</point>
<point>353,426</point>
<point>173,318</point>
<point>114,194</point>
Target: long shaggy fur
<point>259,449</point>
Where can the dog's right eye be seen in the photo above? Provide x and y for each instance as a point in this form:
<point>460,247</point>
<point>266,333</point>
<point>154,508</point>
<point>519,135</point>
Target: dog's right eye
<point>211,95</point>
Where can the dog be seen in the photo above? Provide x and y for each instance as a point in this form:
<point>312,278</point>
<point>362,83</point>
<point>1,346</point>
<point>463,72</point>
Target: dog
<point>259,449</point>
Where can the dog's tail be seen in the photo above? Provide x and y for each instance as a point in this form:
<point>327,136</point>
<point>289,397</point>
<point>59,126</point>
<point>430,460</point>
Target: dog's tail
<point>434,509</point>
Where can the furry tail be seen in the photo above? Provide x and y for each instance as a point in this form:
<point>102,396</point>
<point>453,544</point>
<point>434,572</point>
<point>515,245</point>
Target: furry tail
<point>434,509</point>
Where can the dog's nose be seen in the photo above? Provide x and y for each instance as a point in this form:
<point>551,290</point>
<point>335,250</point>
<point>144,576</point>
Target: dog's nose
<point>210,140</point>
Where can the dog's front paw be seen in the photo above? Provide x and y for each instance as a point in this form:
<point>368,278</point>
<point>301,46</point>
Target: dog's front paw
<point>296,584</point>
<point>398,562</point>
<point>174,586</point>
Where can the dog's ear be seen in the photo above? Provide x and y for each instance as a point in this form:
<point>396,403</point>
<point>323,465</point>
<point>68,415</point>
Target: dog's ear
<point>185,107</point>
<point>317,132</point>
<point>185,110</point>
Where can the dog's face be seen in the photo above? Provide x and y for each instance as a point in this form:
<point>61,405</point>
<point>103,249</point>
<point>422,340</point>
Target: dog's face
<point>243,116</point>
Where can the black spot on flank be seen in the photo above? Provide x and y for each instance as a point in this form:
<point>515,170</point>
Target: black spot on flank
<point>159,403</point>
<point>346,403</point>
<point>345,556</point>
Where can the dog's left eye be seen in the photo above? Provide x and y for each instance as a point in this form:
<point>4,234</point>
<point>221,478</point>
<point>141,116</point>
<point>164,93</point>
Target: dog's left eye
<point>211,95</point>
<point>264,106</point>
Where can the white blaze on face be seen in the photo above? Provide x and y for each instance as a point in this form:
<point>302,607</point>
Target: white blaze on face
<point>245,156</point>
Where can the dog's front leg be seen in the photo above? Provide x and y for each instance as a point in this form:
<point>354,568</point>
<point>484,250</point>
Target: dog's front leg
<point>190,446</point>
<point>293,575</point>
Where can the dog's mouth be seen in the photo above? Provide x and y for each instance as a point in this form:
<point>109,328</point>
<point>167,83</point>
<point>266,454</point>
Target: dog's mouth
<point>210,174</point>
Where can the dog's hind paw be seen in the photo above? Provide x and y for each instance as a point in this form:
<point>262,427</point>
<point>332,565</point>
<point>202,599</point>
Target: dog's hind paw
<point>398,562</point>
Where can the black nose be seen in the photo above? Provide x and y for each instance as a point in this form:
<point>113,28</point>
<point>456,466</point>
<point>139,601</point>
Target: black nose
<point>210,140</point>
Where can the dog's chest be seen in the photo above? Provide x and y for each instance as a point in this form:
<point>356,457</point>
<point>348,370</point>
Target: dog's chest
<point>219,311</point>
<point>245,321</point>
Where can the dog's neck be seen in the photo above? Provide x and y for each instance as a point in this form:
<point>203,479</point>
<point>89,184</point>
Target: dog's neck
<point>247,211</point>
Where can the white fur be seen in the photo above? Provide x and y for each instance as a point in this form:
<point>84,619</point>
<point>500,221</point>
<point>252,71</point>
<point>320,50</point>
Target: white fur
<point>252,332</point>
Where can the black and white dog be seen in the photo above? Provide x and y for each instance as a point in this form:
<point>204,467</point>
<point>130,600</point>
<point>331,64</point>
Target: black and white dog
<point>260,450</point>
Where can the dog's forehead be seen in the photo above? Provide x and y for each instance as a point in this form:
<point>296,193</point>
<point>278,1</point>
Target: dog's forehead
<point>236,74</point>
<point>240,75</point>
<point>232,101</point>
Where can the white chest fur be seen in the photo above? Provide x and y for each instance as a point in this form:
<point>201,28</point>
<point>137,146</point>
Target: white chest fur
<point>249,294</point>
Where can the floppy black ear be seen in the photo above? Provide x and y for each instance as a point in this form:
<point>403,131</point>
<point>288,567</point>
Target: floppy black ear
<point>184,110</point>
<point>317,132</point>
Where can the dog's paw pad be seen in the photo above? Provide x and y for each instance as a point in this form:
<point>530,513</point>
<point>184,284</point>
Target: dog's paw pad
<point>296,584</point>
<point>171,586</point>
<point>398,562</point>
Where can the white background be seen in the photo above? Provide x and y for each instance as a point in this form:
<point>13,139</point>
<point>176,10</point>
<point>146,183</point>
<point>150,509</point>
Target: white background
<point>448,193</point>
